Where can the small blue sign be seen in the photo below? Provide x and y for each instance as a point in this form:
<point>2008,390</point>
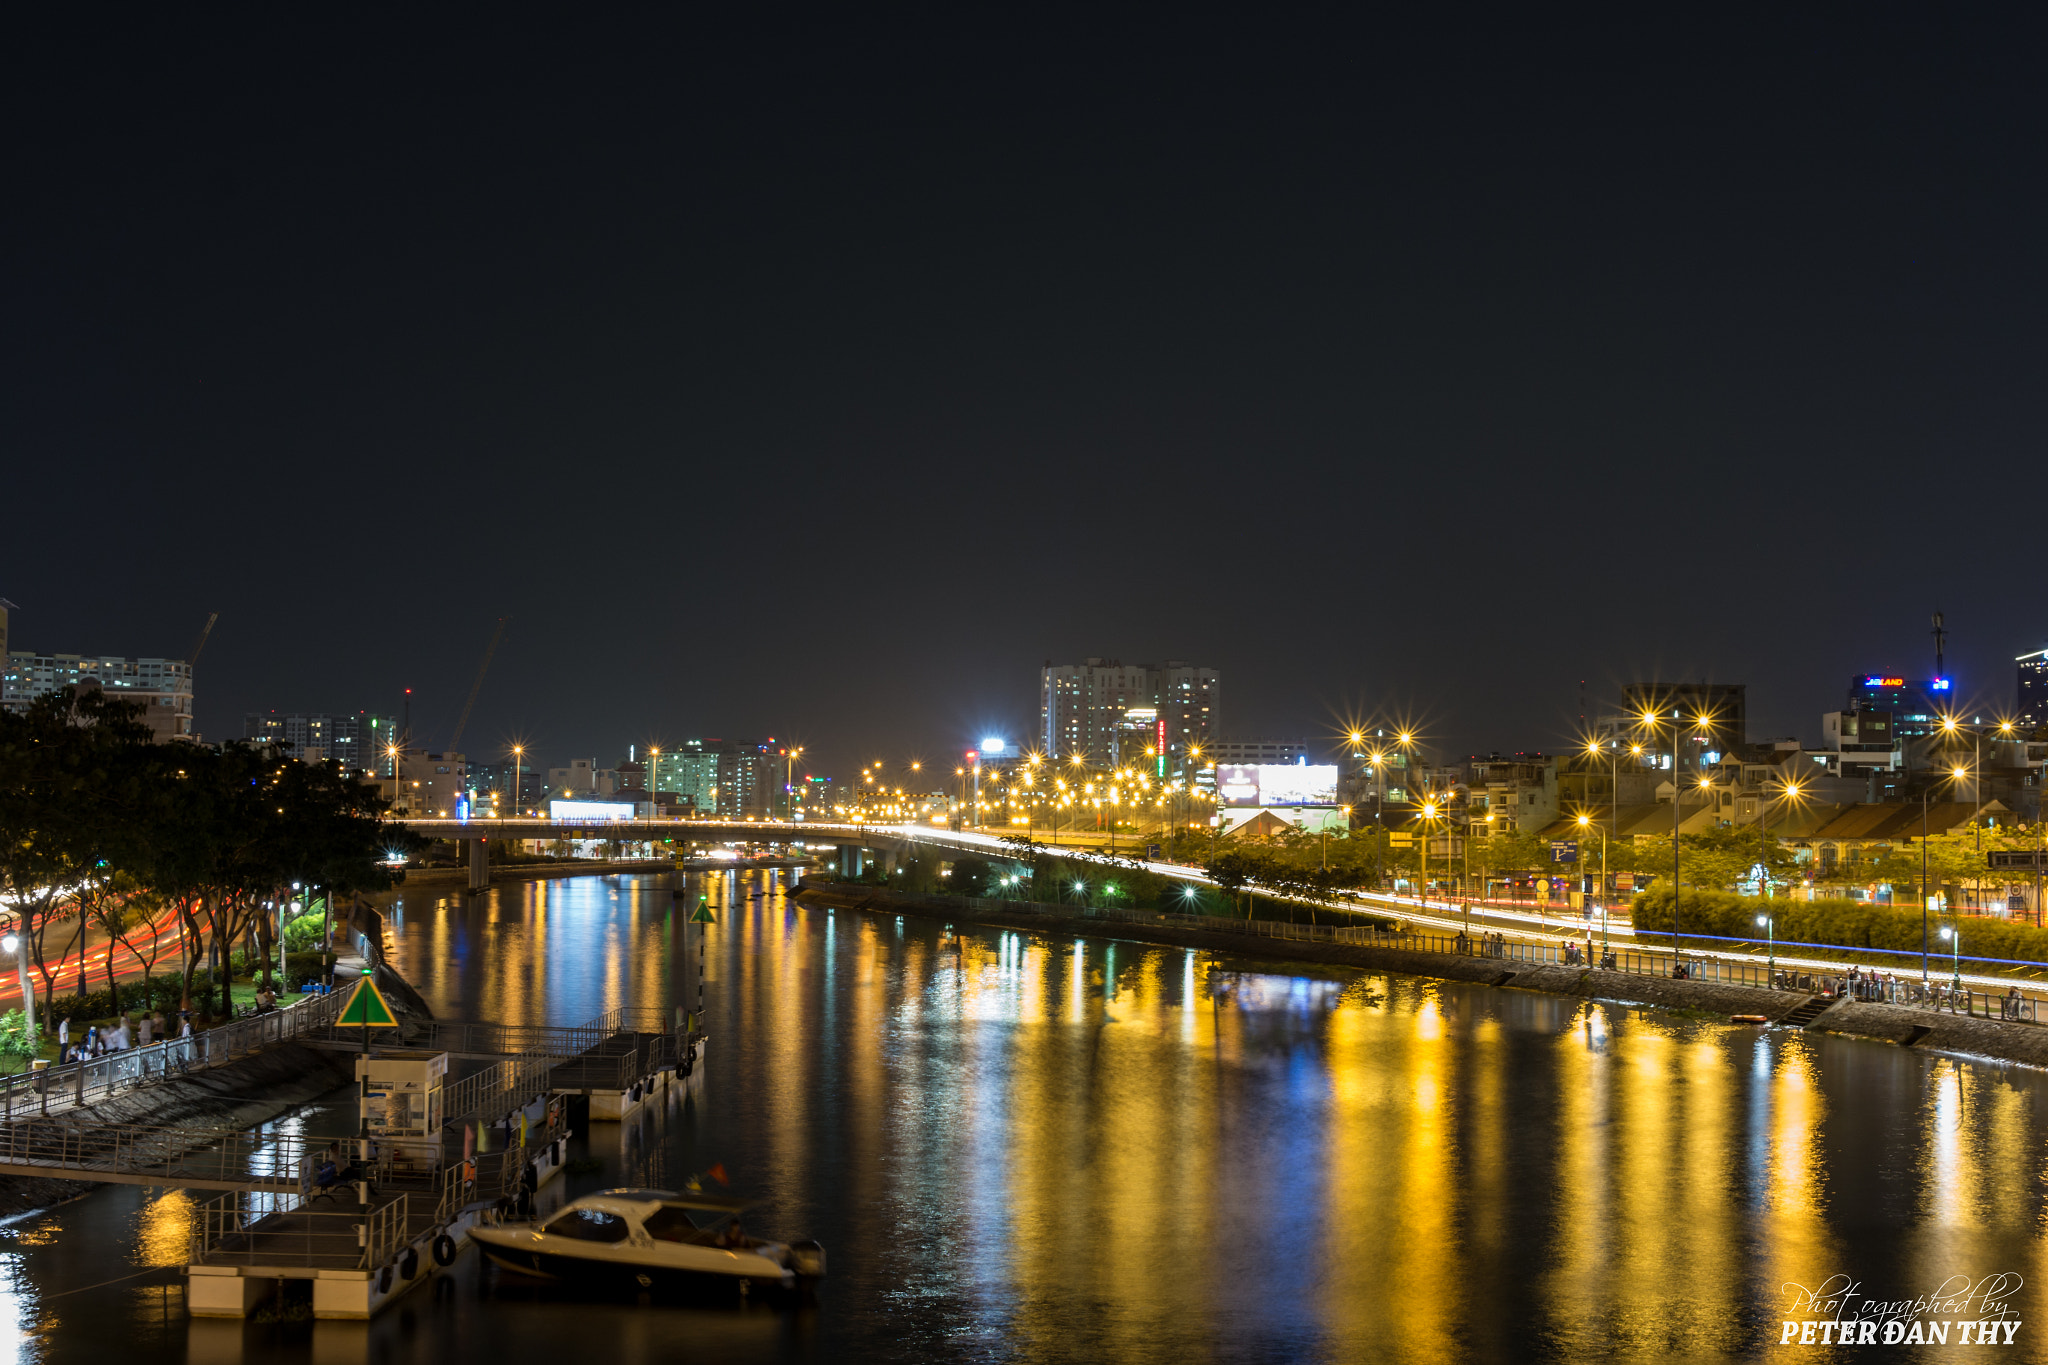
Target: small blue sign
<point>1564,850</point>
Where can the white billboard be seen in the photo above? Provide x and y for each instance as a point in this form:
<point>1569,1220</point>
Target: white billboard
<point>1277,784</point>
<point>590,810</point>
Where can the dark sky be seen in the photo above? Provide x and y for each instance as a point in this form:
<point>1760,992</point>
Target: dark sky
<point>823,379</point>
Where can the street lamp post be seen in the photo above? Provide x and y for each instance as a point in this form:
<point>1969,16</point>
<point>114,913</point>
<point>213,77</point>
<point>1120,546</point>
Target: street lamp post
<point>1923,887</point>
<point>518,753</point>
<point>1955,940</point>
<point>1651,721</point>
<point>1771,947</point>
<point>1428,814</point>
<point>1593,747</point>
<point>17,943</point>
<point>1585,821</point>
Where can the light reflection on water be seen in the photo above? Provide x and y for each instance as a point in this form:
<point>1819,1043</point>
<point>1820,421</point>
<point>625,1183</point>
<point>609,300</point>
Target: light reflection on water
<point>1036,1148</point>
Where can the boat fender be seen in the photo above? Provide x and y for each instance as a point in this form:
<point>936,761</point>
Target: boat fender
<point>409,1263</point>
<point>384,1280</point>
<point>444,1250</point>
<point>636,1094</point>
<point>558,1152</point>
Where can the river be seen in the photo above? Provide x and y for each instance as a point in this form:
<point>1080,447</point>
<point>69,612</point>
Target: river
<point>1030,1148</point>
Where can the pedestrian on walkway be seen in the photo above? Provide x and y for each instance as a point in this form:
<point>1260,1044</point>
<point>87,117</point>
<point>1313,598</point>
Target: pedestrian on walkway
<point>156,1020</point>
<point>184,1023</point>
<point>145,1032</point>
<point>64,1040</point>
<point>90,1046</point>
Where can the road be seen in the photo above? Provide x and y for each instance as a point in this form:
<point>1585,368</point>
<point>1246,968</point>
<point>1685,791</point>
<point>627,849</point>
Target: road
<point>1519,925</point>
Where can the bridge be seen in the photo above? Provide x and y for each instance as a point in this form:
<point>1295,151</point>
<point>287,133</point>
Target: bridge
<point>853,840</point>
<point>476,836</point>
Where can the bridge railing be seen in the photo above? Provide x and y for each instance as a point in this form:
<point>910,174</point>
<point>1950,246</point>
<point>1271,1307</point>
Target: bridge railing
<point>172,1153</point>
<point>94,1078</point>
<point>495,1091</point>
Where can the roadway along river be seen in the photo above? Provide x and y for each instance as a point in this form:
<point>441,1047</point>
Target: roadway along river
<point>1043,1149</point>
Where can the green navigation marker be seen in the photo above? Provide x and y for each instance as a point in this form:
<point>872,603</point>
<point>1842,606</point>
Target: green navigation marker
<point>366,1008</point>
<point>703,915</point>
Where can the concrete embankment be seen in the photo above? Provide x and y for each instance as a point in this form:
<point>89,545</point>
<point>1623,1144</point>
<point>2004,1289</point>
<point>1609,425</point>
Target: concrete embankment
<point>1907,1027</point>
<point>238,1094</point>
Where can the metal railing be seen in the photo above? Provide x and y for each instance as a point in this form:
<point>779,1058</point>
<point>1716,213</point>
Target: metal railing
<point>386,1232</point>
<point>90,1079</point>
<point>93,1079</point>
<point>520,1040</point>
<point>173,1155</point>
<point>623,1061</point>
<point>496,1090</point>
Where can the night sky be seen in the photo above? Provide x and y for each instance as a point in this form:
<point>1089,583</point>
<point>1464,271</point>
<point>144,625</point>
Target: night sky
<point>823,379</point>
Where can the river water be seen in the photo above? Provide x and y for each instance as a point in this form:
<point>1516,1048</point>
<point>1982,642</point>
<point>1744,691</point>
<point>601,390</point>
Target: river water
<point>1022,1147</point>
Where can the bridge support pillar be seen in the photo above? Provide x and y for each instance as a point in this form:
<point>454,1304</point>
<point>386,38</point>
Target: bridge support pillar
<point>479,864</point>
<point>888,862</point>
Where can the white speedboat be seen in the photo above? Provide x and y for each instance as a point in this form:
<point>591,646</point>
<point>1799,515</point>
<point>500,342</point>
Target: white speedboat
<point>656,1239</point>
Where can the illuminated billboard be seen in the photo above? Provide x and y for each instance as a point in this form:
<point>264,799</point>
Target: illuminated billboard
<point>590,810</point>
<point>1277,784</point>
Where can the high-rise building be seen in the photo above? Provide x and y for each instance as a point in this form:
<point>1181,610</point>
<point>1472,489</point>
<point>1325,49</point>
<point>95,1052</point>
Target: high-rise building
<point>360,742</point>
<point>163,687</point>
<point>690,769</point>
<point>1917,707</point>
<point>2033,688</point>
<point>1086,709</point>
<point>749,781</point>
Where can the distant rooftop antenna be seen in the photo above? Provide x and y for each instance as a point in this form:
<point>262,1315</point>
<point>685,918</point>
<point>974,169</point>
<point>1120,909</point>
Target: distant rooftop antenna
<point>1940,636</point>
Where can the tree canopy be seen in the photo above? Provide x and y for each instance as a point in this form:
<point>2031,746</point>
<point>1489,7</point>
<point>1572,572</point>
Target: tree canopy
<point>98,822</point>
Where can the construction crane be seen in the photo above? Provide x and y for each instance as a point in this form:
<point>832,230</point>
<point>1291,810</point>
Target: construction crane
<point>455,740</point>
<point>192,654</point>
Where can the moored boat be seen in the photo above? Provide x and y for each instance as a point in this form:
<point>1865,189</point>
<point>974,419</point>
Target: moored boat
<point>655,1239</point>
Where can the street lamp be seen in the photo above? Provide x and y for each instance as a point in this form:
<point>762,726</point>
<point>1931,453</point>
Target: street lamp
<point>1771,947</point>
<point>1584,822</point>
<point>518,753</point>
<point>1428,814</point>
<point>1789,792</point>
<point>13,942</point>
<point>1651,721</point>
<point>1955,939</point>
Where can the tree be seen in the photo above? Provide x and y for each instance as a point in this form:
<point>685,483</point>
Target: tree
<point>58,762</point>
